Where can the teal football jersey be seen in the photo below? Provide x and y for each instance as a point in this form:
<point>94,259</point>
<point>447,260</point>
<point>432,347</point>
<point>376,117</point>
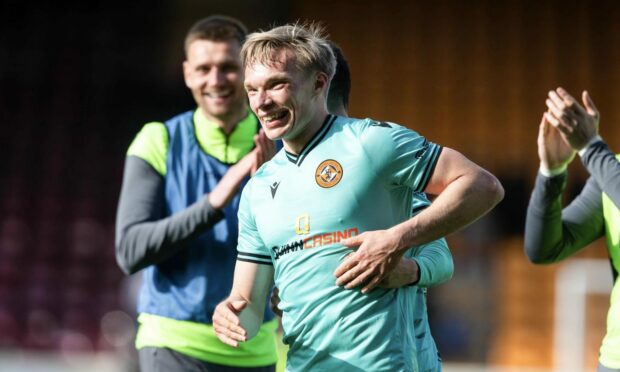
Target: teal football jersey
<point>352,176</point>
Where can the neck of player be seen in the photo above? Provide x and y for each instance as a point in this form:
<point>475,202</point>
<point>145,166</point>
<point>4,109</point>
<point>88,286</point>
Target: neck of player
<point>229,121</point>
<point>296,143</point>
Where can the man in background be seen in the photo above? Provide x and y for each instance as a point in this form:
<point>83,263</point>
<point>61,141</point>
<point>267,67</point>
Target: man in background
<point>553,233</point>
<point>177,214</point>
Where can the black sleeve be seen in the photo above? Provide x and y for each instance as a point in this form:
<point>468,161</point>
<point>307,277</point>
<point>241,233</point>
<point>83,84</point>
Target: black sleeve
<point>552,234</point>
<point>603,166</point>
<point>143,236</point>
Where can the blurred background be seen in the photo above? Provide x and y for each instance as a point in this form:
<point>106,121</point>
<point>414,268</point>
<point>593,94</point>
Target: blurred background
<point>79,79</point>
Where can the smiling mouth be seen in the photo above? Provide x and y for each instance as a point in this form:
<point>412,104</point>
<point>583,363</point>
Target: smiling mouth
<point>267,119</point>
<point>219,94</point>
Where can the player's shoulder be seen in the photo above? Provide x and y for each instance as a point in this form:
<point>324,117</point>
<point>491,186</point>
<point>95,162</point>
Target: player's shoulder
<point>269,170</point>
<point>151,145</point>
<point>352,124</point>
<point>370,126</point>
<point>378,133</point>
<point>256,190</point>
<point>157,131</point>
<point>152,130</point>
<point>151,142</point>
<point>186,117</point>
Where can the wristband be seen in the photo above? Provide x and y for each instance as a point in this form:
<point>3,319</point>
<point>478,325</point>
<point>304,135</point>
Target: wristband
<point>552,172</point>
<point>592,141</point>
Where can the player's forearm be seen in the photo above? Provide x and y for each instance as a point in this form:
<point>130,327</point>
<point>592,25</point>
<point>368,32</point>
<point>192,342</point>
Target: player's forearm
<point>149,243</point>
<point>463,201</point>
<point>604,167</point>
<point>553,233</point>
<point>543,223</point>
<point>252,318</point>
<point>252,283</point>
<point>405,273</point>
<point>143,238</point>
<point>434,262</point>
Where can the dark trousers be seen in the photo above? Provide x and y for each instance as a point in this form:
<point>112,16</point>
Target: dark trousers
<point>154,359</point>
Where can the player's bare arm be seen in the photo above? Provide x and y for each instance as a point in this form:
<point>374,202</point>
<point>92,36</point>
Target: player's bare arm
<point>465,192</point>
<point>405,273</point>
<point>239,317</point>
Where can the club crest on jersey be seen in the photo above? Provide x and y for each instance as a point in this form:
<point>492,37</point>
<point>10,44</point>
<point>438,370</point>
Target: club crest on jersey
<point>328,173</point>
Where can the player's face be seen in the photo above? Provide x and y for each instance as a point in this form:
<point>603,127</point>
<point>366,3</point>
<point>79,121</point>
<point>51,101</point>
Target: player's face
<point>214,75</point>
<point>281,96</point>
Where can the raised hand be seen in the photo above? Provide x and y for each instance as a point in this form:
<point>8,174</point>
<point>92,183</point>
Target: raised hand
<point>553,150</point>
<point>226,189</point>
<point>265,150</point>
<point>578,124</point>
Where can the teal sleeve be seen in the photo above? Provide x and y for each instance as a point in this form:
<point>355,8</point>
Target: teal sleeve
<point>435,263</point>
<point>250,246</point>
<point>434,259</point>
<point>399,155</point>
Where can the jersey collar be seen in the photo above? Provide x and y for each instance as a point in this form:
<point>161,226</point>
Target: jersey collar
<point>226,148</point>
<point>314,141</point>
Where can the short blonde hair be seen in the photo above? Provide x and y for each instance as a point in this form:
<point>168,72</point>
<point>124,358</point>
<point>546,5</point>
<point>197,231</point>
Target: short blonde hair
<point>306,41</point>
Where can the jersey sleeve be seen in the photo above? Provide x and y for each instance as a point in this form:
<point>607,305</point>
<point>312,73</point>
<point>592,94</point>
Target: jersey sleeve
<point>399,155</point>
<point>435,263</point>
<point>604,167</point>
<point>434,259</point>
<point>552,233</point>
<point>151,145</point>
<point>250,247</point>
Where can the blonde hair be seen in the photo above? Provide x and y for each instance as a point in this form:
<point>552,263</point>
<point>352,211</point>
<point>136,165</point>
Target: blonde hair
<point>306,41</point>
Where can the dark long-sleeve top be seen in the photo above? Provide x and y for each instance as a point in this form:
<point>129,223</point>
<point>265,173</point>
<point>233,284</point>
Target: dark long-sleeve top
<point>553,233</point>
<point>143,236</point>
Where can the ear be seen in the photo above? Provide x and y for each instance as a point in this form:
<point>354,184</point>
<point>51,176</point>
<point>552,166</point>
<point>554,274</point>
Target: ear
<point>321,81</point>
<point>186,73</point>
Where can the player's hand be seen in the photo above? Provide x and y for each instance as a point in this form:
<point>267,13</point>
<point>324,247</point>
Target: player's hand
<point>265,150</point>
<point>406,272</point>
<point>226,322</point>
<point>226,189</point>
<point>577,124</point>
<point>376,257</point>
<point>553,150</point>
<point>274,301</point>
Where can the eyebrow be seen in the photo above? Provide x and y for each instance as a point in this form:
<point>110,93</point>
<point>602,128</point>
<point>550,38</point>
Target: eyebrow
<point>271,80</point>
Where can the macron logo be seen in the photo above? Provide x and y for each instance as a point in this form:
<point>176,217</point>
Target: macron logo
<point>381,124</point>
<point>274,188</point>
